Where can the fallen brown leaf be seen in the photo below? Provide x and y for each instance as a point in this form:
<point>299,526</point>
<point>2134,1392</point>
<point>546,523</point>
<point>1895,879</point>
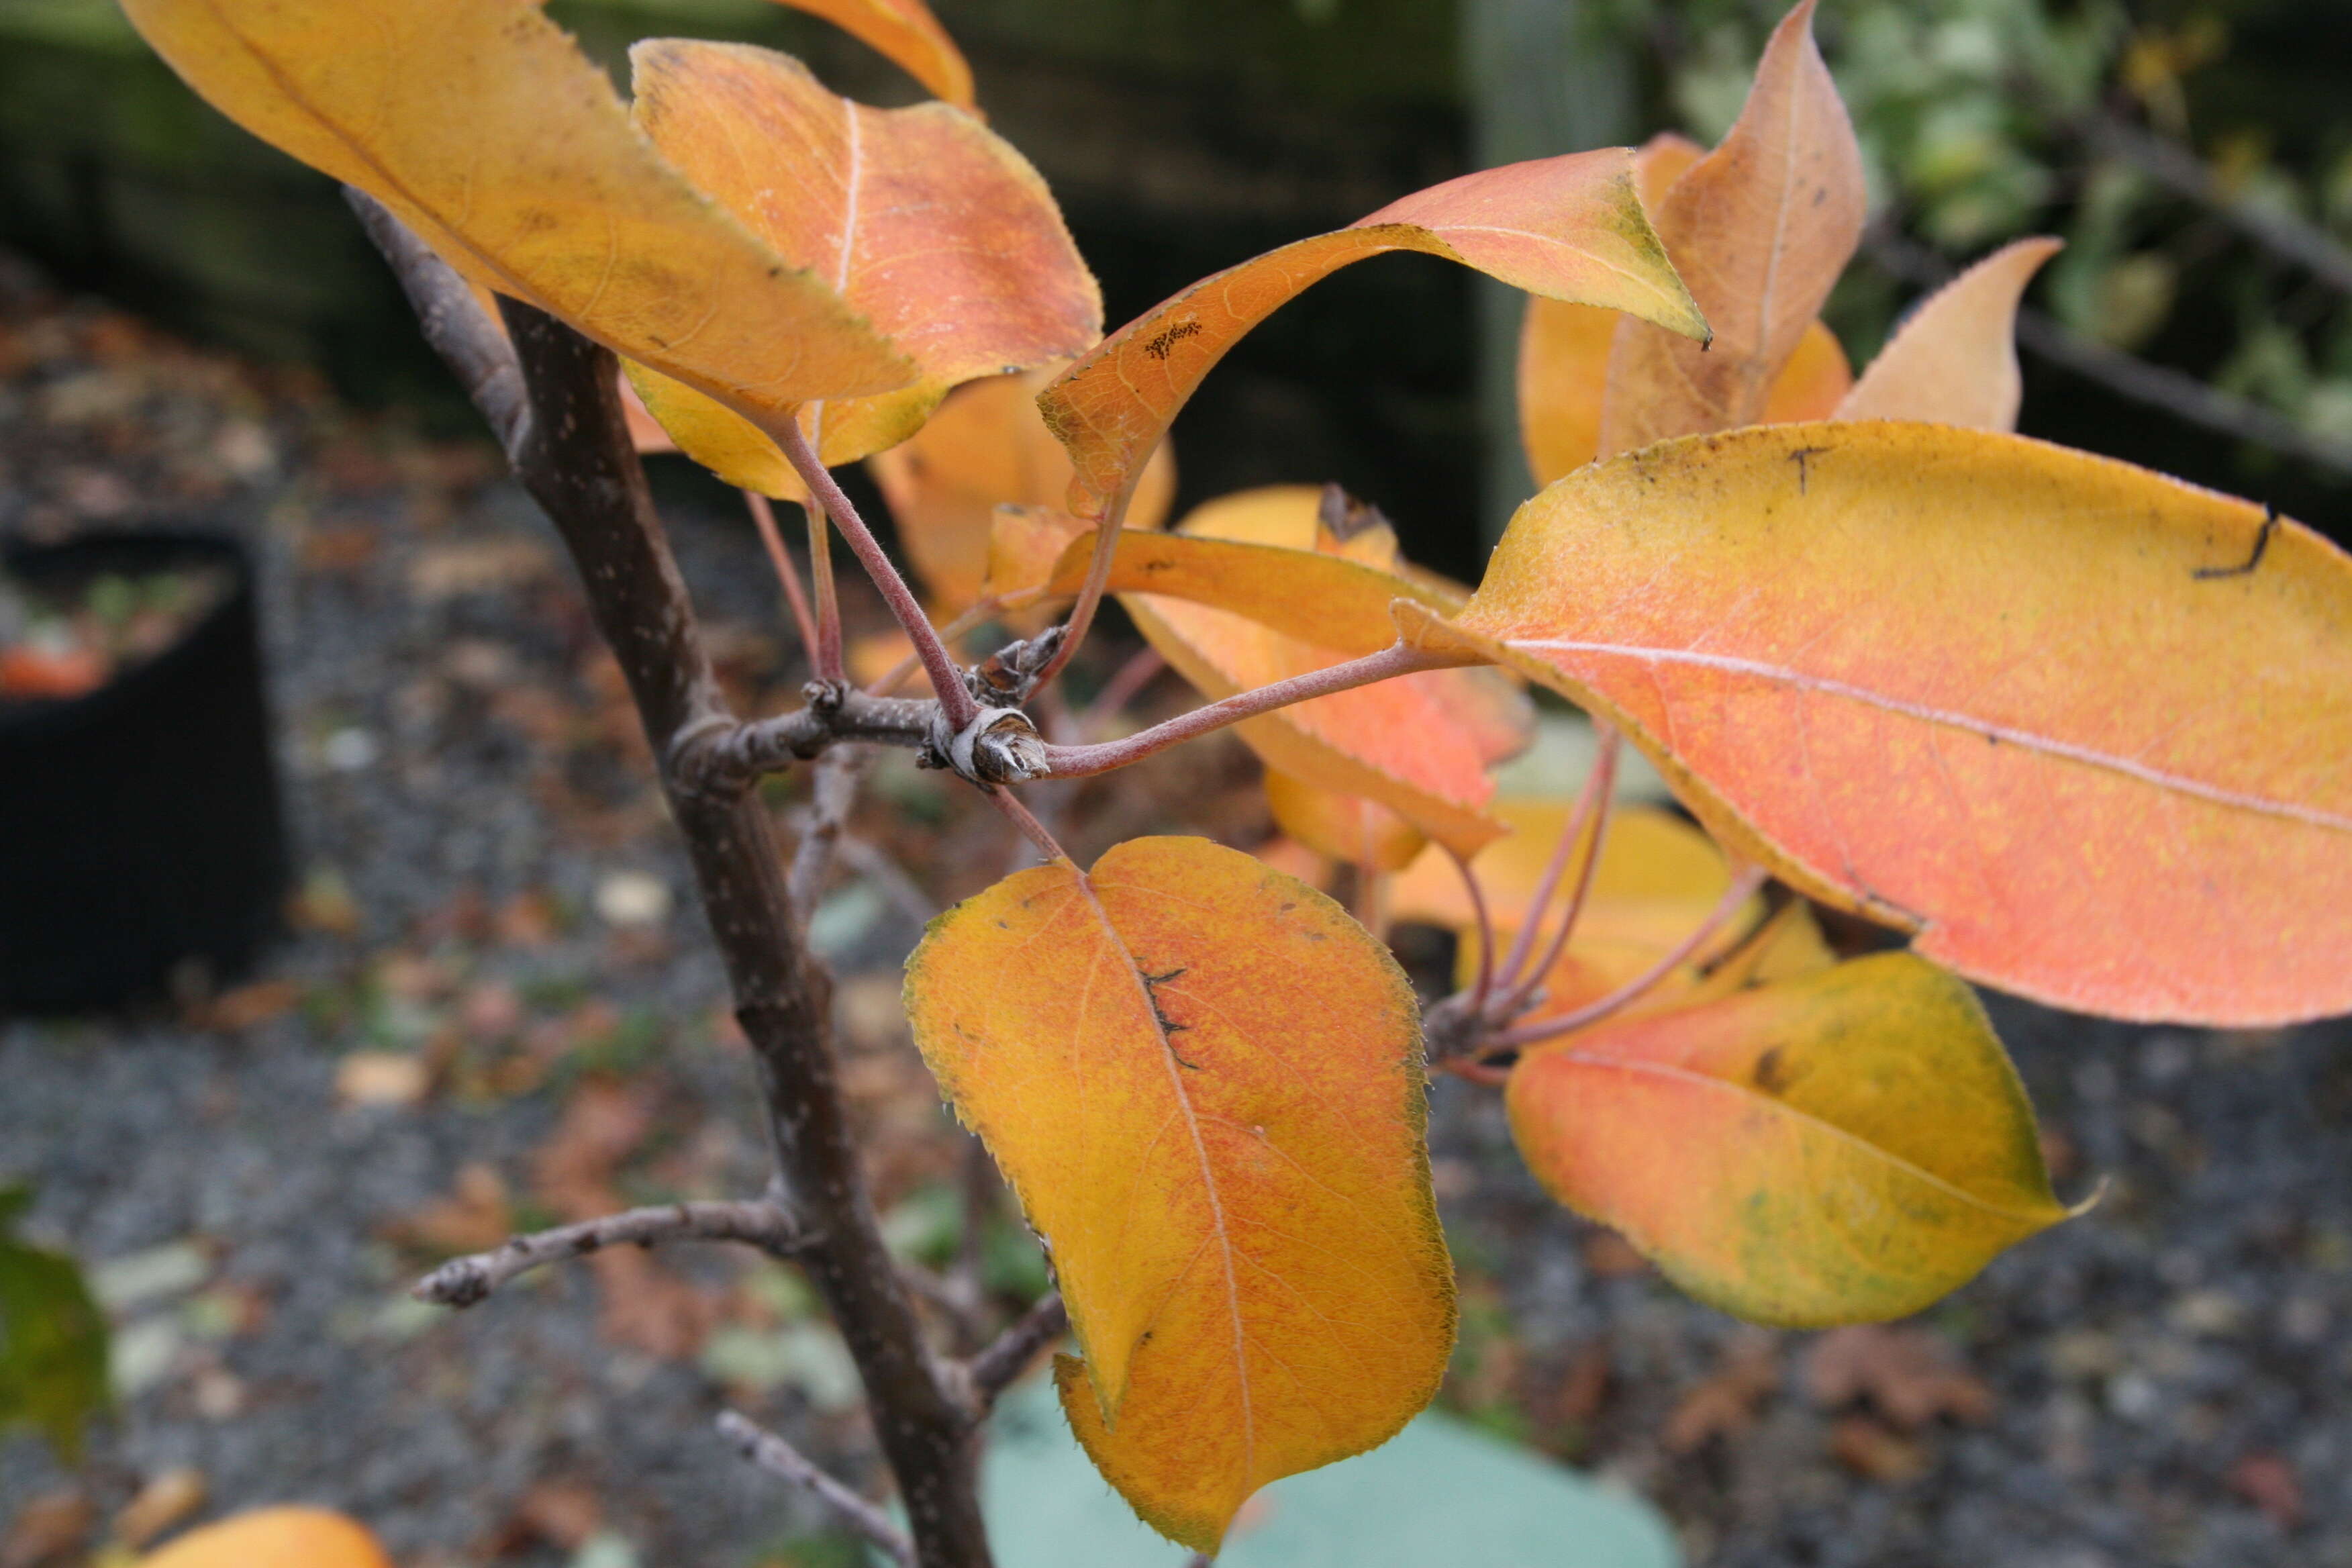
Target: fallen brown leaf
<point>2269,1481</point>
<point>475,1216</point>
<point>1867,1448</point>
<point>48,1529</point>
<point>163,1502</point>
<point>1725,1402</point>
<point>1911,1374</point>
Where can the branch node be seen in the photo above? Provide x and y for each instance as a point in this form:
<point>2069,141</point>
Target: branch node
<point>999,746</point>
<point>771,1453</point>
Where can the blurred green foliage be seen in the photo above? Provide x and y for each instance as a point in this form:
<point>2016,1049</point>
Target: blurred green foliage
<point>52,1338</point>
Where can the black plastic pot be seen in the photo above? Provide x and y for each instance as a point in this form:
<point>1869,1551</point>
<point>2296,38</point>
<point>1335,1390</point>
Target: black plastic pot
<point>141,849</point>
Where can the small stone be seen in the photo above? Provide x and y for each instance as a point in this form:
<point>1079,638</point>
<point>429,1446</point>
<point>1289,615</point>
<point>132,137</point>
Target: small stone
<point>2210,1314</point>
<point>382,1078</point>
<point>2134,1397</point>
<point>632,900</point>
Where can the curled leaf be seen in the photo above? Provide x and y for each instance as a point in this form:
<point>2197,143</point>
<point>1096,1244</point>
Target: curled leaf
<point>1759,229</point>
<point>1954,362</point>
<point>1869,1148</point>
<point>1570,228</point>
<point>481,125</point>
<point>2079,727</point>
<point>921,219</point>
<point>905,33</point>
<point>1204,1080</point>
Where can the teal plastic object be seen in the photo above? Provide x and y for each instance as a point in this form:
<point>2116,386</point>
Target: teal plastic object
<point>1440,1492</point>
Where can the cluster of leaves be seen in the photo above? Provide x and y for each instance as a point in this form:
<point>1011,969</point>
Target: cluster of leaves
<point>1984,118</point>
<point>52,1337</point>
<point>2075,728</point>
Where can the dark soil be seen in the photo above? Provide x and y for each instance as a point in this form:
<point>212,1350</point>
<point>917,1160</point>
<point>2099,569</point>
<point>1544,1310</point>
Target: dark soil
<point>501,1009</point>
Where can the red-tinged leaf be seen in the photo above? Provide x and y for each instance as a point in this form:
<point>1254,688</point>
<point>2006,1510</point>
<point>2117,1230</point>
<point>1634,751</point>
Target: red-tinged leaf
<point>1954,362</point>
<point>987,447</point>
<point>1205,1082</point>
<point>1337,603</point>
<point>483,127</point>
<point>921,219</point>
<point>1570,228</point>
<point>1759,229</point>
<point>907,34</point>
<point>1868,1147</point>
<point>1420,746</point>
<point>2079,727</point>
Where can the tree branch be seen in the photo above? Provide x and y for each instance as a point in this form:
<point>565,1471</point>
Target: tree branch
<point>469,341</point>
<point>2186,175</point>
<point>780,1458</point>
<point>996,1366</point>
<point>572,454</point>
<point>462,1282</point>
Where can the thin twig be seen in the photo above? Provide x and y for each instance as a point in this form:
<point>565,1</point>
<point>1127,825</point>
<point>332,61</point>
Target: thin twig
<point>1127,682</point>
<point>1591,811</point>
<point>469,341</point>
<point>2174,392</point>
<point>1743,887</point>
<point>833,794</point>
<point>1596,784</point>
<point>828,656</point>
<point>1081,618</point>
<point>1031,828</point>
<point>763,518</point>
<point>1007,1356</point>
<point>462,1282</point>
<point>1079,762</point>
<point>780,1458</point>
<point>1486,924</point>
<point>947,680</point>
<point>2186,174</point>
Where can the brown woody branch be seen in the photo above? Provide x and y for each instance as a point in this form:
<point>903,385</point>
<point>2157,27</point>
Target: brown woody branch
<point>781,1459</point>
<point>462,1282</point>
<point>571,448</point>
<point>996,1366</point>
<point>2186,175</point>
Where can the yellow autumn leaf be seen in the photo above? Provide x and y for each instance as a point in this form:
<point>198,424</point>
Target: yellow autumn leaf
<point>1868,1147</point>
<point>481,125</point>
<point>1204,1080</point>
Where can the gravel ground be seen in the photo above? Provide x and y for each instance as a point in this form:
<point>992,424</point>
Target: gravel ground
<point>499,1007</point>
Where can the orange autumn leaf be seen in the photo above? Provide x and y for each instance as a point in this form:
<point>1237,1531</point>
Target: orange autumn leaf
<point>905,33</point>
<point>283,1537</point>
<point>2078,727</point>
<point>1420,746</point>
<point>481,125</point>
<point>1759,229</point>
<point>1564,352</point>
<point>1570,227</point>
<point>1337,603</point>
<point>1869,1148</point>
<point>1347,829</point>
<point>988,446</point>
<point>1954,362</point>
<point>921,219</point>
<point>1204,1080</point>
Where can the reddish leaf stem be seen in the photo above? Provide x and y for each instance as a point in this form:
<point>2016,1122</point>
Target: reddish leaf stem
<point>1743,887</point>
<point>829,666</point>
<point>1486,982</point>
<point>1090,600</point>
<point>1031,828</point>
<point>947,681</point>
<point>1520,981</point>
<point>1078,762</point>
<point>763,518</point>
